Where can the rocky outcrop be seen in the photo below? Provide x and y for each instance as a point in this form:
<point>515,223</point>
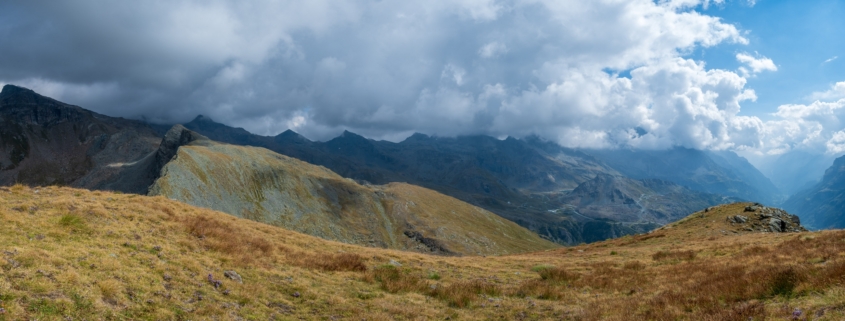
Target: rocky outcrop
<point>137,177</point>
<point>258,184</point>
<point>758,218</point>
<point>176,137</point>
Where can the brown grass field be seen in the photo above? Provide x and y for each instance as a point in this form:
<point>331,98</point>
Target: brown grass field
<point>70,254</point>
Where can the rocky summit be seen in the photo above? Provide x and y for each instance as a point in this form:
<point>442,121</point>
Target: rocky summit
<point>762,219</point>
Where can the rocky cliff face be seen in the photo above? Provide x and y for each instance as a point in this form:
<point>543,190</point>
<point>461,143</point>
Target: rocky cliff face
<point>46,142</point>
<point>261,185</point>
<point>822,206</point>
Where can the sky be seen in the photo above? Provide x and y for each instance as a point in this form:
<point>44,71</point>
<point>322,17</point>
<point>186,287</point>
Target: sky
<point>758,77</point>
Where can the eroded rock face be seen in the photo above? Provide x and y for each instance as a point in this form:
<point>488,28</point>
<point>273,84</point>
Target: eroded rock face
<point>766,219</point>
<point>47,142</point>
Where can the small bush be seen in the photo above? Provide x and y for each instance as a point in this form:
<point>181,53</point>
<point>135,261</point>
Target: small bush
<point>433,275</point>
<point>783,281</point>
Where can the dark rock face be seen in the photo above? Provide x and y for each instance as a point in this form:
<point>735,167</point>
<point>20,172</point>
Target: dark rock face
<point>174,138</point>
<point>766,219</point>
<point>822,206</point>
<point>44,142</point>
<point>137,177</point>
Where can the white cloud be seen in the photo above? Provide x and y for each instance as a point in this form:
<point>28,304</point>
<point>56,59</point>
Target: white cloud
<point>812,127</point>
<point>388,68</point>
<point>837,91</point>
<point>831,59</point>
<point>757,65</point>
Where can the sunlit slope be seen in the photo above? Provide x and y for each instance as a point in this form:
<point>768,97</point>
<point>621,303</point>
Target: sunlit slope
<point>73,254</point>
<point>261,185</point>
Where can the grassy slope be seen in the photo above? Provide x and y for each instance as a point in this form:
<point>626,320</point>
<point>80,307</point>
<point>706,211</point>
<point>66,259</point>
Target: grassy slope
<point>261,185</point>
<point>96,255</point>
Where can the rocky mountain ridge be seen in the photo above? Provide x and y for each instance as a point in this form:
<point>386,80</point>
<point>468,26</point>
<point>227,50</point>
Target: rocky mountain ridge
<point>45,142</point>
<point>263,186</point>
<point>524,180</point>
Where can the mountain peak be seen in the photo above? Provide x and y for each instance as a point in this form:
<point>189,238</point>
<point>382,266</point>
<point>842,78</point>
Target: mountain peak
<point>350,135</point>
<point>12,89</point>
<point>417,137</point>
<point>20,94</point>
<point>290,135</point>
<point>201,118</point>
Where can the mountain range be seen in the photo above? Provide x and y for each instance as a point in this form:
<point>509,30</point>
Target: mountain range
<point>565,195</point>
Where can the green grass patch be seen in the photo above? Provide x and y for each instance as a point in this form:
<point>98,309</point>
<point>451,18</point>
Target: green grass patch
<point>73,221</point>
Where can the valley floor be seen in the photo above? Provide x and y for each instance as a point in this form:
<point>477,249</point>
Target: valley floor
<point>71,254</point>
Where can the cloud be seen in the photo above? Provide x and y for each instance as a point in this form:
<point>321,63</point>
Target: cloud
<point>816,127</point>
<point>757,65</point>
<point>831,59</point>
<point>836,91</point>
<point>492,49</point>
<point>389,68</point>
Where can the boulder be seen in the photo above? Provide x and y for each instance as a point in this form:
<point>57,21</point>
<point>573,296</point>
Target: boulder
<point>234,276</point>
<point>777,225</point>
<point>738,219</point>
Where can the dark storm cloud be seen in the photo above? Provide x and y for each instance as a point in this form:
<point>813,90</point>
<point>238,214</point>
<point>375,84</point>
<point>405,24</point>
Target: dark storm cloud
<point>389,68</point>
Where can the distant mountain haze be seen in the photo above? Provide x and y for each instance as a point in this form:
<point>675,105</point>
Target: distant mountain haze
<point>822,206</point>
<point>722,172</point>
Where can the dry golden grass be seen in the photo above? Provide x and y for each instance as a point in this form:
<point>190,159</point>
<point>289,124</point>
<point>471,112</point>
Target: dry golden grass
<point>82,255</point>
